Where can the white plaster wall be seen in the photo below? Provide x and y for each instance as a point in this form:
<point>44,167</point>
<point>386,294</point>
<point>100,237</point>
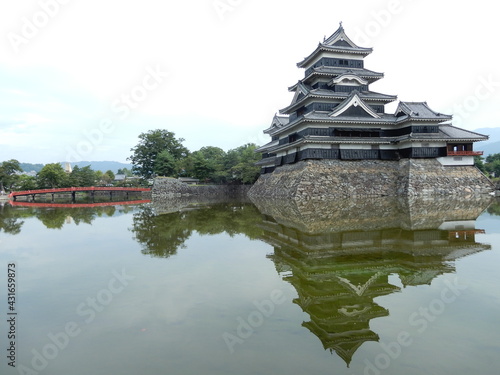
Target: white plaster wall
<point>456,160</point>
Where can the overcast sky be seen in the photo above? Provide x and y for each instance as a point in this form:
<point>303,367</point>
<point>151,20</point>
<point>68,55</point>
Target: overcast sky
<point>81,79</point>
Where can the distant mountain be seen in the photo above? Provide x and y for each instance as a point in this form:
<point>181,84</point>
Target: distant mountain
<point>28,167</point>
<point>102,165</point>
<point>492,145</point>
<point>491,148</point>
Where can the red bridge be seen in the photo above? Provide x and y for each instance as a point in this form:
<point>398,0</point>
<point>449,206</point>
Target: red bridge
<point>73,190</point>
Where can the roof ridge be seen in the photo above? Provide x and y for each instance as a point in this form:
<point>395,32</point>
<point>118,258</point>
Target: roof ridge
<point>467,130</point>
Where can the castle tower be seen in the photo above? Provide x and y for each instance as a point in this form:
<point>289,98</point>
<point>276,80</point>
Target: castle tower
<point>335,116</point>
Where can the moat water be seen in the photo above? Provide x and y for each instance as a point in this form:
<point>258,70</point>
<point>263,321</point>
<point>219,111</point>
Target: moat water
<point>382,286</point>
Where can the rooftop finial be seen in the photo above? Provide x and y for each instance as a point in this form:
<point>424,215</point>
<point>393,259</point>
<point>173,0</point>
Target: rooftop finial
<point>340,24</point>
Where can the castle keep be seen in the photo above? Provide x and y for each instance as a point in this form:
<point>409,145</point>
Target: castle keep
<point>335,138</point>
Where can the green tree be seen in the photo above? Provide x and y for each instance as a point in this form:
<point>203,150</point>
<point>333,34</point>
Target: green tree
<point>105,178</point>
<point>207,164</point>
<point>150,145</point>
<point>201,168</point>
<point>82,176</point>
<point>52,176</point>
<point>110,174</point>
<point>492,158</point>
<point>8,174</point>
<point>26,182</point>
<point>493,168</point>
<point>240,163</point>
<point>125,171</point>
<point>478,162</point>
<point>214,157</point>
<point>165,164</point>
<point>492,165</point>
<point>99,177</point>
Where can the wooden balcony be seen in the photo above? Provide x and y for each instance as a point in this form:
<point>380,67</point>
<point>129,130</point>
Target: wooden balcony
<point>465,153</point>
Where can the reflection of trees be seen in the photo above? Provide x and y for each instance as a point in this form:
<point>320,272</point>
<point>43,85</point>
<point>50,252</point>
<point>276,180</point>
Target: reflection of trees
<point>10,222</point>
<point>54,218</point>
<point>494,208</point>
<point>161,235</point>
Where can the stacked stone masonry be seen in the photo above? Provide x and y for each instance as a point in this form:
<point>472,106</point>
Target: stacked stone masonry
<point>167,188</point>
<point>327,179</point>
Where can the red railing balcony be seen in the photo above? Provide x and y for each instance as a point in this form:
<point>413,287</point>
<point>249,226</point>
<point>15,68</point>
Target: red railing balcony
<point>465,153</point>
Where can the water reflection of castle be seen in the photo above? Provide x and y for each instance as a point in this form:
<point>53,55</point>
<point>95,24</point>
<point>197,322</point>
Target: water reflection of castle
<point>338,268</point>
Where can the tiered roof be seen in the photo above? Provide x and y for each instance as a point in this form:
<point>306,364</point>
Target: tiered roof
<point>331,71</point>
<point>337,42</point>
<point>335,95</point>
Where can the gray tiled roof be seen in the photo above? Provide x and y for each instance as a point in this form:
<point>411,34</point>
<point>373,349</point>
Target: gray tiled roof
<point>322,93</point>
<point>420,110</point>
<point>365,95</point>
<point>458,133</point>
<point>319,139</point>
<point>385,118</point>
<point>267,146</point>
<point>335,71</point>
<point>278,122</point>
<point>283,120</point>
<point>334,48</point>
<point>446,133</point>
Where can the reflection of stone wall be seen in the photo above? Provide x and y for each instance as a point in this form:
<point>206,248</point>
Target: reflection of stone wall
<point>327,179</point>
<point>179,204</point>
<point>164,188</point>
<point>371,213</point>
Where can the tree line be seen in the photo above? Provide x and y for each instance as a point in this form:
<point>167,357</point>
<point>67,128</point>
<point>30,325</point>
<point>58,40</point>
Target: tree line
<point>489,165</point>
<point>160,153</point>
<point>50,176</point>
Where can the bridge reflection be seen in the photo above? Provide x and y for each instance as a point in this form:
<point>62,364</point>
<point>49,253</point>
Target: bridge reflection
<point>77,205</point>
<point>56,215</point>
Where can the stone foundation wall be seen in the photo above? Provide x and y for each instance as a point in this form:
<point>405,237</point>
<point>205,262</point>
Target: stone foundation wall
<point>428,177</point>
<point>329,179</point>
<point>168,188</point>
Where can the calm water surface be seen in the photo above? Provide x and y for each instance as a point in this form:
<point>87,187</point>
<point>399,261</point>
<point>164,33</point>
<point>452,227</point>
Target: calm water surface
<point>352,287</point>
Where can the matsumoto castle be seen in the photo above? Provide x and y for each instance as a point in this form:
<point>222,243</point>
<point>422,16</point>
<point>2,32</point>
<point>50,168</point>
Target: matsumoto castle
<point>335,116</point>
